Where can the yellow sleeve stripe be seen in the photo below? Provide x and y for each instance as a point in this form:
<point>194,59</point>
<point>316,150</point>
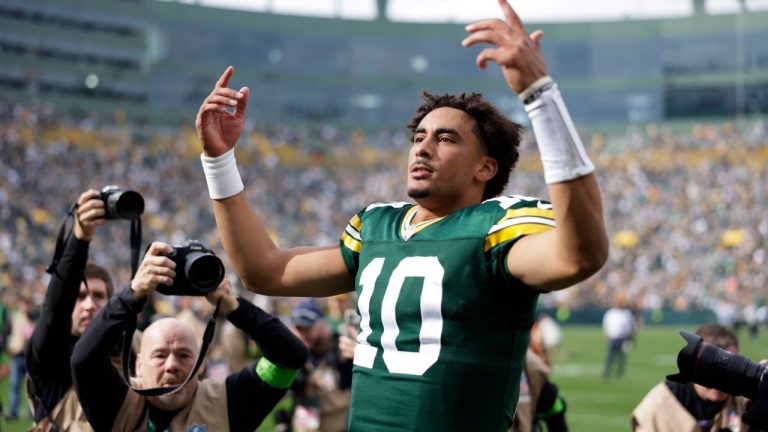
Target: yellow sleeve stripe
<point>527,211</point>
<point>350,242</point>
<point>356,222</point>
<point>514,231</point>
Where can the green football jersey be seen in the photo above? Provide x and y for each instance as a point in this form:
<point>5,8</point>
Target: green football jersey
<point>444,326</point>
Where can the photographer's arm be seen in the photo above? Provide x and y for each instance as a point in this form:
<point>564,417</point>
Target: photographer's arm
<point>50,346</point>
<point>266,383</point>
<point>99,386</point>
<point>260,264</point>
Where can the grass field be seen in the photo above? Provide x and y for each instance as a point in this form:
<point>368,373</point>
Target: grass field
<point>594,405</point>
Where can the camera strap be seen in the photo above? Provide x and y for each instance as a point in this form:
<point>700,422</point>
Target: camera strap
<point>135,245</point>
<point>62,238</point>
<point>158,391</point>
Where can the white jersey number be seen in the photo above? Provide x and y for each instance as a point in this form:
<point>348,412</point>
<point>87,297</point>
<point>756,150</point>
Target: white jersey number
<point>404,362</point>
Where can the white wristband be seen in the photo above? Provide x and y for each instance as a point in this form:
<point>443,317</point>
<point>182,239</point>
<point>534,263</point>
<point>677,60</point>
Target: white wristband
<point>221,175</point>
<point>562,152</point>
<point>532,92</point>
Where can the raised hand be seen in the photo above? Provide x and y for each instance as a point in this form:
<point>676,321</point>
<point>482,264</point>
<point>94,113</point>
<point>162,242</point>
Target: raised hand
<point>89,215</point>
<point>217,127</point>
<point>515,51</point>
<point>154,270</point>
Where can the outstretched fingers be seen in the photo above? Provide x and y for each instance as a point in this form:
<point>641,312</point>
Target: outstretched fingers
<point>511,16</point>
<point>483,36</point>
<point>224,78</point>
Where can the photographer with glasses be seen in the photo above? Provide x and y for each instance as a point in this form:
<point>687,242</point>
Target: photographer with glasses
<point>238,402</point>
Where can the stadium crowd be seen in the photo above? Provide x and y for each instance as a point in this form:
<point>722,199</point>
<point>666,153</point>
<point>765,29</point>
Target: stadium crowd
<point>688,228</point>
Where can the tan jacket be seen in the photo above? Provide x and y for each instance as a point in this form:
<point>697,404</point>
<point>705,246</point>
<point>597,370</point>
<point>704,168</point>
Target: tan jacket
<point>207,411</point>
<point>67,414</point>
<point>660,411</point>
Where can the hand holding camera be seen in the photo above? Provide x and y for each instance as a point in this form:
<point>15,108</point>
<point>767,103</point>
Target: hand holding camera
<point>90,214</point>
<point>155,269</point>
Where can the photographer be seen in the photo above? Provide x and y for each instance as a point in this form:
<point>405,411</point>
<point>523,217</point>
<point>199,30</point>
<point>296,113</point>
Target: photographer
<point>676,407</point>
<point>75,294</point>
<point>168,352</point>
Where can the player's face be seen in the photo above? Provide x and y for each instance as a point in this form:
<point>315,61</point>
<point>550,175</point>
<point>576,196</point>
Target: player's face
<point>90,300</point>
<point>168,354</point>
<point>444,157</point>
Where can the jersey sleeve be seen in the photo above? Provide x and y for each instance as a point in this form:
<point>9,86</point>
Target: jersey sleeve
<point>523,216</point>
<point>350,242</point>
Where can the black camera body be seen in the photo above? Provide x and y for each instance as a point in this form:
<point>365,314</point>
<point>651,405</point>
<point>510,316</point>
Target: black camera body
<point>714,367</point>
<point>198,270</point>
<point>120,204</point>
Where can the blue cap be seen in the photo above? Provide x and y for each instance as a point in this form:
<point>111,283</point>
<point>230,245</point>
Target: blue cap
<point>306,314</point>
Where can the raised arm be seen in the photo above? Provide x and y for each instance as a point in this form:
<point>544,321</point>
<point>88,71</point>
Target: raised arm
<point>99,386</point>
<point>262,267</point>
<point>284,355</point>
<point>50,347</point>
<point>578,246</point>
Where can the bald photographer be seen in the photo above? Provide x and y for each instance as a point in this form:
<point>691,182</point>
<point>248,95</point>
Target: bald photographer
<point>169,349</point>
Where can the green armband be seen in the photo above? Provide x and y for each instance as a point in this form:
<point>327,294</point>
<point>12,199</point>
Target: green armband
<point>275,375</point>
<point>557,408</point>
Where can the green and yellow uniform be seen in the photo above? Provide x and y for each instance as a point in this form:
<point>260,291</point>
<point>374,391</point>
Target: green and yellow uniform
<point>444,326</point>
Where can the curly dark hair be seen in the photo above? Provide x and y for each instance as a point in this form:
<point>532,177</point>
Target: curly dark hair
<point>499,135</point>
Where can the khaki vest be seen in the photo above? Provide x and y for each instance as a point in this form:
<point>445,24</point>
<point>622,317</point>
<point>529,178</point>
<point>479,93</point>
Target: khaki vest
<point>534,376</point>
<point>67,414</point>
<point>208,409</point>
<point>660,411</point>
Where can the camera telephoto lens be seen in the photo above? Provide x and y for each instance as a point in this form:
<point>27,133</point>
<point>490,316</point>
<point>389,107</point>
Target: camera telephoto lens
<point>714,367</point>
<point>126,205</point>
<point>204,271</point>
<point>120,204</point>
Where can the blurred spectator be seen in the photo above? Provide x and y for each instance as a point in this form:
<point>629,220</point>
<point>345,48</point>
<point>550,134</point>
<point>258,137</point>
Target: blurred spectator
<point>5,331</point>
<point>619,329</point>
<point>322,389</point>
<point>22,327</point>
<point>546,336</point>
<point>540,400</point>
